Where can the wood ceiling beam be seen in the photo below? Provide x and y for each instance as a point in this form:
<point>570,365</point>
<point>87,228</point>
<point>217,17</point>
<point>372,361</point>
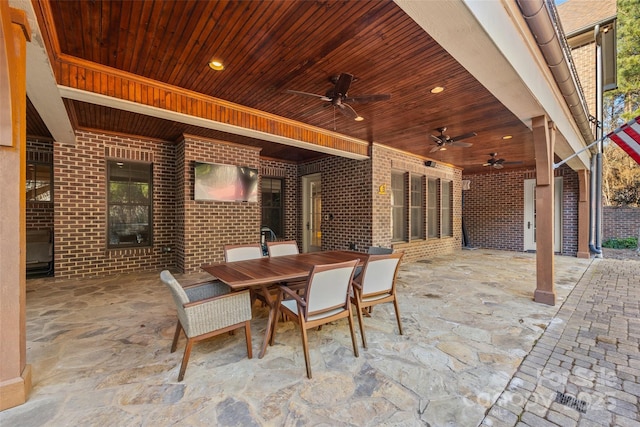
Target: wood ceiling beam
<point>90,82</point>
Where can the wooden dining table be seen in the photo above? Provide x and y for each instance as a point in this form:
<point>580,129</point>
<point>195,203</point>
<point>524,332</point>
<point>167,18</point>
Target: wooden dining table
<point>260,273</point>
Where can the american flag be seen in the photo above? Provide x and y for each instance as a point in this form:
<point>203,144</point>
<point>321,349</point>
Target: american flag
<point>628,138</point>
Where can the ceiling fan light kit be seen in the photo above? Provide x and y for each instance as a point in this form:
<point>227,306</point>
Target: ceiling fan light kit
<point>339,98</point>
<point>497,163</point>
<point>443,140</point>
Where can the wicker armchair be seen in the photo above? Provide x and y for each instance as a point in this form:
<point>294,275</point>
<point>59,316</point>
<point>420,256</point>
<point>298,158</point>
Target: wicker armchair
<point>206,310</point>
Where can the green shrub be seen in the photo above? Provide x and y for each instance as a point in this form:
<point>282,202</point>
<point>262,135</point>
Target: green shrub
<point>628,243</point>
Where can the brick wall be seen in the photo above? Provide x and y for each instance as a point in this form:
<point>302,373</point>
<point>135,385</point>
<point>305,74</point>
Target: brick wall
<point>570,200</point>
<point>197,230</point>
<point>346,196</point>
<point>494,209</point>
<point>362,215</point>
<point>384,160</point>
<point>289,172</point>
<point>194,230</point>
<point>584,58</point>
<point>80,206</point>
<point>209,225</point>
<point>620,222</point>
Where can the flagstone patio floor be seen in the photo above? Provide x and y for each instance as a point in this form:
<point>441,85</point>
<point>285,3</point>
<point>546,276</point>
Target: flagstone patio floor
<point>99,350</point>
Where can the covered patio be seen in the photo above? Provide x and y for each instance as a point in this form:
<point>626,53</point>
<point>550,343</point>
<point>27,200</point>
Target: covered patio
<point>100,352</point>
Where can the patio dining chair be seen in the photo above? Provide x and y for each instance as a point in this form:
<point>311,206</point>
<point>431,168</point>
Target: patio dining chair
<point>242,252</point>
<point>281,248</point>
<point>247,252</point>
<point>325,300</point>
<point>376,285</point>
<point>373,250</point>
<point>205,311</point>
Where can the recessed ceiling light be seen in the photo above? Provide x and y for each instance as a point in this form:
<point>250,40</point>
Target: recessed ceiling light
<point>359,119</point>
<point>507,137</point>
<point>437,89</point>
<point>216,64</point>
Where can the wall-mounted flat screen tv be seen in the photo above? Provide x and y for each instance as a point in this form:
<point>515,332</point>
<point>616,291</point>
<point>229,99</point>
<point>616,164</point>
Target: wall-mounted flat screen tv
<point>226,183</point>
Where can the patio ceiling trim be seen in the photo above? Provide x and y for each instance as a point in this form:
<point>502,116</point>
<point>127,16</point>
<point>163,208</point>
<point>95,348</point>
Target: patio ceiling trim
<point>41,84</point>
<point>501,53</point>
<point>90,82</point>
<point>353,149</point>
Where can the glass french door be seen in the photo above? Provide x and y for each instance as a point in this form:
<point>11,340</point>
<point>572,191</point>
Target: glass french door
<point>312,213</point>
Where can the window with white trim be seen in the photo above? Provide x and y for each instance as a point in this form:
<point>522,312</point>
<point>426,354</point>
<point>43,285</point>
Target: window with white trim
<point>407,206</point>
<point>417,207</point>
<point>446,210</point>
<point>398,207</point>
<point>433,210</point>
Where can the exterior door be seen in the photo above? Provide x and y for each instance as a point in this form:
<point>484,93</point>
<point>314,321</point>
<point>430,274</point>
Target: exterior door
<point>312,213</point>
<point>530,215</point>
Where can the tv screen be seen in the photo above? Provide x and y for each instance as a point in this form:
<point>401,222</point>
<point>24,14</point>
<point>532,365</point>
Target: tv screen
<point>226,183</point>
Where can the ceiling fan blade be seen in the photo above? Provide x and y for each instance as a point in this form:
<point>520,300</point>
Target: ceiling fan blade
<point>435,148</point>
<point>347,110</point>
<point>436,139</point>
<point>311,95</point>
<point>464,136</point>
<point>498,165</point>
<point>461,144</point>
<point>486,164</point>
<point>343,84</point>
<point>361,99</point>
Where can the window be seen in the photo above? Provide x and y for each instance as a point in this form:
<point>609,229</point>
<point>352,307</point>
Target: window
<point>432,209</point>
<point>417,203</point>
<point>398,215</point>
<point>446,211</point>
<point>407,206</point>
<point>273,204</point>
<point>440,208</point>
<point>39,181</point>
<point>129,201</point>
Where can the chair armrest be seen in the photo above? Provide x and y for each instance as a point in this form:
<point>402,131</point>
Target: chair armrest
<point>212,299</point>
<point>205,290</point>
<point>293,295</point>
<point>216,313</point>
<point>205,282</point>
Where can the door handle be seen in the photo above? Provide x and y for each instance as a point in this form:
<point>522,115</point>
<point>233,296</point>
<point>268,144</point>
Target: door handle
<point>528,225</point>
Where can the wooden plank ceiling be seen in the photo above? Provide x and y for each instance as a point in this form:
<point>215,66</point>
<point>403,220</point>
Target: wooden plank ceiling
<point>116,48</point>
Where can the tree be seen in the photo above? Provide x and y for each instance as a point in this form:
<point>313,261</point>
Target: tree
<point>621,175</point>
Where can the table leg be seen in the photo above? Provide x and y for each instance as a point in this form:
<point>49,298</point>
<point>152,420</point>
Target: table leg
<point>271,302</point>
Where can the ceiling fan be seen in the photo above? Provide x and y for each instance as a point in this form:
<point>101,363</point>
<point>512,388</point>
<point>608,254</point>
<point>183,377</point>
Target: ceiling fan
<point>498,163</point>
<point>443,140</point>
<point>338,95</point>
